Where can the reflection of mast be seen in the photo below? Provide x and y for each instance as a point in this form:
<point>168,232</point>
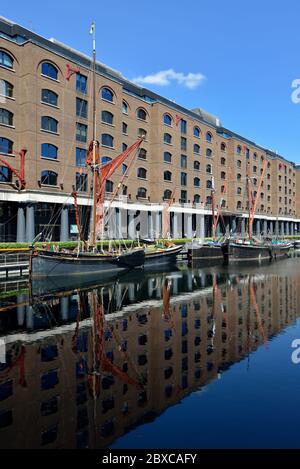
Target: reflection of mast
<point>166,215</point>
<point>166,294</point>
<point>253,302</point>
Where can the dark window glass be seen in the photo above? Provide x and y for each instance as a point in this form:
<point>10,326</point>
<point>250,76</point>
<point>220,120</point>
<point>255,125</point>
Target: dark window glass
<point>49,436</point>
<point>167,119</point>
<point>49,124</point>
<point>6,418</point>
<point>6,117</point>
<point>81,107</point>
<point>49,407</point>
<point>80,157</point>
<point>167,157</point>
<point>49,151</point>
<point>107,94</point>
<point>183,126</point>
<point>167,138</point>
<point>183,179</point>
<point>49,97</point>
<point>141,114</point>
<point>49,178</point>
<point>183,161</point>
<point>49,353</point>
<point>6,390</point>
<point>183,144</point>
<point>5,174</point>
<point>6,89</point>
<point>81,182</point>
<point>208,137</point>
<point>124,107</point>
<point>196,182</point>
<point>81,83</point>
<point>81,132</point>
<point>196,132</point>
<point>109,186</point>
<point>142,192</point>
<point>6,60</point>
<point>107,140</point>
<point>167,176</point>
<point>124,128</point>
<point>107,117</point>
<point>196,148</point>
<point>197,165</point>
<point>49,380</point>
<point>142,154</point>
<point>49,70</point>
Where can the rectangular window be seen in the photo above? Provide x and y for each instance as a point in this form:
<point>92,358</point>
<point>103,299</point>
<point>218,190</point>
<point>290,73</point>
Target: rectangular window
<point>81,132</point>
<point>183,179</point>
<point>183,126</point>
<point>183,161</point>
<point>81,182</point>
<point>80,156</point>
<point>183,196</point>
<point>81,108</point>
<point>81,83</point>
<point>49,380</point>
<point>183,145</point>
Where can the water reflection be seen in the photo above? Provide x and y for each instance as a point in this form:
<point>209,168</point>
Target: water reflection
<point>87,365</point>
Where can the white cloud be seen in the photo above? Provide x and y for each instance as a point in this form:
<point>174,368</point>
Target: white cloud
<point>164,78</point>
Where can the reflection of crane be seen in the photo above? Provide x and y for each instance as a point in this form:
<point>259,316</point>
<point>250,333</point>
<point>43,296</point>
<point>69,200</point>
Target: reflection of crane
<point>100,360</point>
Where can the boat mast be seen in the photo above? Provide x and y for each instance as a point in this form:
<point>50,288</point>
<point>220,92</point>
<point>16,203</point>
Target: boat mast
<point>213,207</point>
<point>249,200</point>
<point>95,170</point>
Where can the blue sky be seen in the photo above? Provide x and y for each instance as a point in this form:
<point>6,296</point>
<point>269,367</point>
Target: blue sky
<point>248,53</point>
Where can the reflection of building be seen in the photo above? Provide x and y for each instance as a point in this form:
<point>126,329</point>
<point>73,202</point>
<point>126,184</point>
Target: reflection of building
<point>48,112</point>
<point>207,330</point>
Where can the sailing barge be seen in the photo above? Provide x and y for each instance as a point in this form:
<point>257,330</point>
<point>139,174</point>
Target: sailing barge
<point>44,263</point>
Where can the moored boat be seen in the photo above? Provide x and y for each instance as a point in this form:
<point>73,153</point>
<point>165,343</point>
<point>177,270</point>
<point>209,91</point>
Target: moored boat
<point>280,248</point>
<point>159,254</point>
<point>205,251</point>
<point>245,250</point>
<point>47,263</point>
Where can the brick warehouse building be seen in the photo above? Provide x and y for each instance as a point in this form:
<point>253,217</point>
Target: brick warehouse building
<point>48,112</point>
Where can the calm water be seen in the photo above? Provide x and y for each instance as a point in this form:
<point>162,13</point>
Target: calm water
<point>189,358</point>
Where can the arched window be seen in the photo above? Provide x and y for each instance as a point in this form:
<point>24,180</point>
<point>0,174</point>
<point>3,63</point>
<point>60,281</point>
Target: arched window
<point>167,138</point>
<point>208,168</point>
<point>49,178</point>
<point>107,117</point>
<point>167,194</point>
<point>167,157</point>
<point>196,182</point>
<point>238,149</point>
<point>142,173</point>
<point>49,70</point>
<point>208,137</point>
<point>254,169</point>
<point>141,114</point>
<point>142,154</point>
<point>49,97</point>
<point>105,159</point>
<point>124,107</point>
<point>142,133</point>
<point>208,200</point>
<point>223,161</point>
<point>196,148</point>
<point>167,176</point>
<point>208,152</point>
<point>239,190</point>
<point>208,184</point>
<point>107,140</point>
<point>6,117</point>
<point>254,181</point>
<point>262,159</point>
<point>239,205</point>
<point>223,146</point>
<point>49,124</point>
<point>107,94</point>
<point>197,165</point>
<point>49,151</point>
<point>197,199</point>
<point>109,186</point>
<point>239,163</point>
<point>247,152</point>
<point>238,176</point>
<point>6,60</point>
<point>5,174</point>
<point>6,146</point>
<point>167,119</point>
<point>223,175</point>
<point>142,192</point>
<point>6,89</point>
<point>124,128</point>
<point>197,132</point>
<point>255,156</point>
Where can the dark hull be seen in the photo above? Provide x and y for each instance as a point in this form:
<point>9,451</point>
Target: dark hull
<point>205,252</point>
<point>235,252</point>
<point>46,263</point>
<point>278,251</point>
<point>158,258</point>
